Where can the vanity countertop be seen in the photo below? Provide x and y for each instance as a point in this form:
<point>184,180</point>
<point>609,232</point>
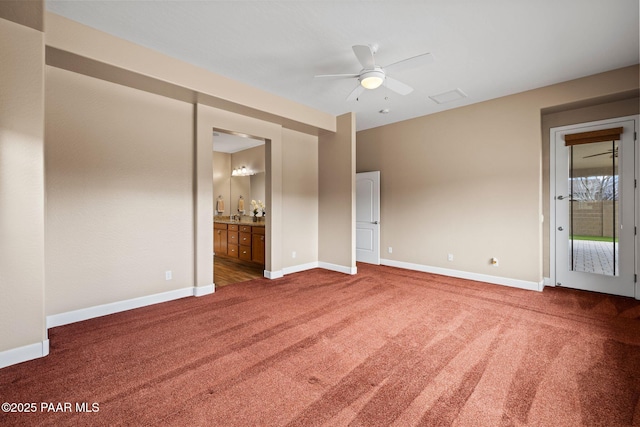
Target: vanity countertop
<point>243,221</point>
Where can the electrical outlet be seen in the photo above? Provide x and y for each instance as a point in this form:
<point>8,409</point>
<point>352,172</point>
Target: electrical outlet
<point>494,262</point>
<point>168,275</point>
<point>293,254</point>
<point>390,250</point>
<point>450,257</point>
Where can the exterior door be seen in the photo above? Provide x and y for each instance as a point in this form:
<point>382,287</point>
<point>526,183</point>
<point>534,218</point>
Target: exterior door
<point>595,206</point>
<point>368,217</point>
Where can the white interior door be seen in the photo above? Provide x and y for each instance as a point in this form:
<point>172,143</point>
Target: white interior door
<point>594,204</point>
<point>368,217</point>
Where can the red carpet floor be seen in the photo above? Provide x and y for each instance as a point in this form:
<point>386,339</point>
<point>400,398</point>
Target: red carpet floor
<point>386,347</point>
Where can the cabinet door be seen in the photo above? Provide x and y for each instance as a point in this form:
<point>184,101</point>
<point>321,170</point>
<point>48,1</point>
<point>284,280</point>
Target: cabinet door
<point>220,241</point>
<point>257,248</point>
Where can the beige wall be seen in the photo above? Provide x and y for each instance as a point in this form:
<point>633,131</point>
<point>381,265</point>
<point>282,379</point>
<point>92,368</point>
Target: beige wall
<point>572,115</point>
<point>300,198</point>
<point>475,176</point>
<point>119,192</point>
<point>336,163</point>
<point>462,182</point>
<point>22,319</point>
<point>28,13</point>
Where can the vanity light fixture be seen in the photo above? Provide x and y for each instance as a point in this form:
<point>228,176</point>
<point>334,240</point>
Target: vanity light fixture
<point>243,171</point>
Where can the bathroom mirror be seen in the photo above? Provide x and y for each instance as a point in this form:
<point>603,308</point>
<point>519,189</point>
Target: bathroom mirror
<point>235,152</point>
<point>240,186</point>
<point>250,188</point>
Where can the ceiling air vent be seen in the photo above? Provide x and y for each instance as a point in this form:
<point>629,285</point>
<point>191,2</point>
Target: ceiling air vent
<point>448,96</point>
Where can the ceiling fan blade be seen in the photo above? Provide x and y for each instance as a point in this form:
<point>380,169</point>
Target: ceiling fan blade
<point>415,61</point>
<point>346,76</point>
<point>355,93</point>
<point>397,86</point>
<point>365,56</point>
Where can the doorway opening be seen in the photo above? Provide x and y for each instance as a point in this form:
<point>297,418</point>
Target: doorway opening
<point>240,207</point>
<point>594,203</point>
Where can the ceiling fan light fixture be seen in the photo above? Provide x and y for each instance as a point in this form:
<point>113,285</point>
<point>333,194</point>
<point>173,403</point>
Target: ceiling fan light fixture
<point>372,79</point>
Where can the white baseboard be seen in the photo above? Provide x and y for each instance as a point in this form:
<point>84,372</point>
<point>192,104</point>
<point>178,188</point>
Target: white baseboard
<point>299,268</point>
<point>200,291</point>
<point>273,274</point>
<point>497,280</point>
<point>24,353</point>
<point>548,282</point>
<point>116,307</point>
<point>339,268</point>
<point>308,266</point>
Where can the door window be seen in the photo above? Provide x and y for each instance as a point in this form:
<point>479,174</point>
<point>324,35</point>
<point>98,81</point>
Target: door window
<point>594,209</point>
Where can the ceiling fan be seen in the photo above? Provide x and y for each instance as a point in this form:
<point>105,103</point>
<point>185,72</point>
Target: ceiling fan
<point>372,76</point>
<point>611,153</point>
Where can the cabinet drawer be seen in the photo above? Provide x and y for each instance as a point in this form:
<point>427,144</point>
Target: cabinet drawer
<point>219,226</point>
<point>245,229</point>
<point>232,251</point>
<point>232,237</point>
<point>232,227</point>
<point>258,230</point>
<point>245,239</point>
<point>244,253</point>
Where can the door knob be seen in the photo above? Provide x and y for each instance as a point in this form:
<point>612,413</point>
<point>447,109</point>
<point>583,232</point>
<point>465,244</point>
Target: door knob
<point>560,228</point>
<point>374,222</point>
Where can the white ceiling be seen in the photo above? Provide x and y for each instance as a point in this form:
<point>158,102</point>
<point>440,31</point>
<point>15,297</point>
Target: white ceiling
<point>229,143</point>
<point>486,48</point>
